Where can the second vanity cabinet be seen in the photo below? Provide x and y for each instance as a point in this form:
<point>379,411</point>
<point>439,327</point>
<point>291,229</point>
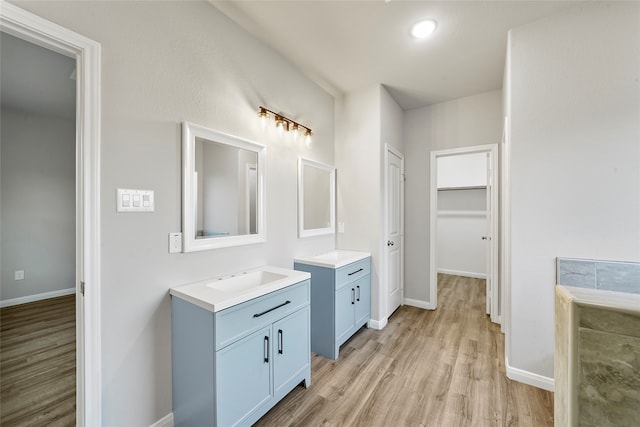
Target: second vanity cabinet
<point>231,366</point>
<point>340,299</point>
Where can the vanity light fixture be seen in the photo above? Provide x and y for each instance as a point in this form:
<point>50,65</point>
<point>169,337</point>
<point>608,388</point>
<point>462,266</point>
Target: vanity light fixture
<point>423,29</point>
<point>285,124</point>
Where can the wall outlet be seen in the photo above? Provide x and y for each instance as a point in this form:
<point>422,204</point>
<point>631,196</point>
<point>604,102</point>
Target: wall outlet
<point>19,275</point>
<point>175,243</point>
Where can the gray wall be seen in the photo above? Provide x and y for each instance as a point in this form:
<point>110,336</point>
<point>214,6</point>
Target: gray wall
<point>368,119</point>
<point>38,203</point>
<point>474,120</point>
<point>164,62</point>
<point>574,108</point>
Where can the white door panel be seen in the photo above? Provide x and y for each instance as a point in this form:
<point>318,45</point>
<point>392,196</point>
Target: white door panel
<point>394,207</point>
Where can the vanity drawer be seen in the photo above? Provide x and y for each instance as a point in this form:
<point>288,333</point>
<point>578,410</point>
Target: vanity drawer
<point>235,322</point>
<point>353,271</point>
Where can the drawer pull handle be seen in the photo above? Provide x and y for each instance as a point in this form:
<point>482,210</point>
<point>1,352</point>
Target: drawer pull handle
<point>266,349</point>
<point>271,309</point>
<point>358,297</point>
<point>280,341</point>
<point>357,271</point>
<point>353,296</point>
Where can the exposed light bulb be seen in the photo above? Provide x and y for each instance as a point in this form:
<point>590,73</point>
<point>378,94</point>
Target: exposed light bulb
<point>296,131</point>
<point>307,139</point>
<point>423,29</point>
<point>263,118</point>
<point>279,125</point>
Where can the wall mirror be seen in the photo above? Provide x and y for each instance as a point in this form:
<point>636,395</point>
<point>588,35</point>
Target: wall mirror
<point>223,190</point>
<point>316,198</point>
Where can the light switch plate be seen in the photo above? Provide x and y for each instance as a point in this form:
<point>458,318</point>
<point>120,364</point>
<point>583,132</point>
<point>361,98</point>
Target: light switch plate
<point>134,200</point>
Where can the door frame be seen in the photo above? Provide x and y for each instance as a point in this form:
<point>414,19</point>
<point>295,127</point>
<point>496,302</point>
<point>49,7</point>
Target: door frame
<point>27,26</point>
<point>384,303</point>
<point>492,149</point>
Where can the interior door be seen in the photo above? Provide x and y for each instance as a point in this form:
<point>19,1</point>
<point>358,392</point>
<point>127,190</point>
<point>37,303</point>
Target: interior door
<point>394,205</point>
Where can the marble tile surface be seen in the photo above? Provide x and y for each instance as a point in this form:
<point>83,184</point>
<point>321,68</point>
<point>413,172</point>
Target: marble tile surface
<point>597,358</point>
<point>579,273</point>
<point>594,274</point>
<point>611,321</point>
<point>609,379</point>
<point>619,277</point>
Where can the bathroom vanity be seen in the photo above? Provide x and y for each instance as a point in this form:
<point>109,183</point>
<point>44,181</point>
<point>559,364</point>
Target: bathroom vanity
<point>340,297</point>
<point>240,344</point>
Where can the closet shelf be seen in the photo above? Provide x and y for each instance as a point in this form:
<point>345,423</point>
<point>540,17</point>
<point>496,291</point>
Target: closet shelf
<point>471,187</point>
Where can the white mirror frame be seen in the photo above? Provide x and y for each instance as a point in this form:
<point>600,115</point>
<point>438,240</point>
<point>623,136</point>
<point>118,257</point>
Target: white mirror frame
<point>190,132</point>
<point>302,232</point>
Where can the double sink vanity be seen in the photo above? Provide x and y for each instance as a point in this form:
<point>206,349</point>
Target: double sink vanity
<point>242,342</point>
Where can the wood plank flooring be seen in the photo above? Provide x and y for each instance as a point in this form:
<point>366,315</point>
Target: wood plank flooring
<point>426,368</point>
<point>38,363</point>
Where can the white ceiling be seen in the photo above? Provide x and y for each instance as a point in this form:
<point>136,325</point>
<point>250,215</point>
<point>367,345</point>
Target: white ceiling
<point>36,79</point>
<point>347,45</point>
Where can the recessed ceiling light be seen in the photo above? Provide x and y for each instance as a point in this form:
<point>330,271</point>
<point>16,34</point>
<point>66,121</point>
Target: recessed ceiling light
<point>423,29</point>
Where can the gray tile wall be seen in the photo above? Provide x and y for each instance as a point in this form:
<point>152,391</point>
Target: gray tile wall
<point>594,274</point>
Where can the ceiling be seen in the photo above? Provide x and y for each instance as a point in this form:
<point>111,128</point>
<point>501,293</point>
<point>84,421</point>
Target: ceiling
<point>36,79</point>
<point>347,45</point>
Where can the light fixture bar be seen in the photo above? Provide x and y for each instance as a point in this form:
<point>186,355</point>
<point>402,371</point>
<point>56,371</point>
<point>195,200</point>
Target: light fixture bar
<point>284,123</point>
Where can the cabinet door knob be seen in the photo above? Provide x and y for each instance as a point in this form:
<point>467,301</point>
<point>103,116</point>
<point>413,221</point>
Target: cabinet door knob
<point>266,349</point>
<point>353,296</point>
<point>280,342</point>
<point>358,295</point>
<point>390,243</point>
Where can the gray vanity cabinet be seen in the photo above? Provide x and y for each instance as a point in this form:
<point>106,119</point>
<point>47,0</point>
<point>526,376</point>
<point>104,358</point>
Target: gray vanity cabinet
<point>231,366</point>
<point>340,303</point>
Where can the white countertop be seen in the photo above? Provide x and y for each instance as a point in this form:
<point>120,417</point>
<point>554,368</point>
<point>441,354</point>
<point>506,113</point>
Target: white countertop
<point>333,259</point>
<point>218,293</point>
<point>620,301</point>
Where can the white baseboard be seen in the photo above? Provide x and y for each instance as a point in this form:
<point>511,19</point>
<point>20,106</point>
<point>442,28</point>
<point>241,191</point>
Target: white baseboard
<point>463,273</point>
<point>166,421</point>
<point>37,297</point>
<point>420,304</point>
<point>378,324</point>
<point>530,378</point>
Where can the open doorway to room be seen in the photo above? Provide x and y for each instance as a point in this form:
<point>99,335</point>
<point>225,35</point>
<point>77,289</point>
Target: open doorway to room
<point>38,226</point>
<point>464,219</point>
<point>85,54</point>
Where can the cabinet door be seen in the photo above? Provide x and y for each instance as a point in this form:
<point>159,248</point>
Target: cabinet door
<point>291,350</point>
<point>345,308</point>
<point>363,300</point>
<point>243,377</point>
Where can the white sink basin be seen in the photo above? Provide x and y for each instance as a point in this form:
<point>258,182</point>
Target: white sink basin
<point>219,293</point>
<point>244,281</point>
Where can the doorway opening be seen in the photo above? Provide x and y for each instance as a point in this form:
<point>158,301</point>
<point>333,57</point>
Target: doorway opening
<point>19,23</point>
<point>38,223</point>
<point>464,219</point>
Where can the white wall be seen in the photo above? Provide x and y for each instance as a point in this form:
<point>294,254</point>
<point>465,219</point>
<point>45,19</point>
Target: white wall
<point>358,178</point>
<point>575,147</point>
<point>164,62</point>
<point>365,121</point>
<point>460,225</point>
<point>38,204</point>
<point>474,120</point>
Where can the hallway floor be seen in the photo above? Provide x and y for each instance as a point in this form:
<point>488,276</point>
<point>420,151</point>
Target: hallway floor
<point>426,368</point>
